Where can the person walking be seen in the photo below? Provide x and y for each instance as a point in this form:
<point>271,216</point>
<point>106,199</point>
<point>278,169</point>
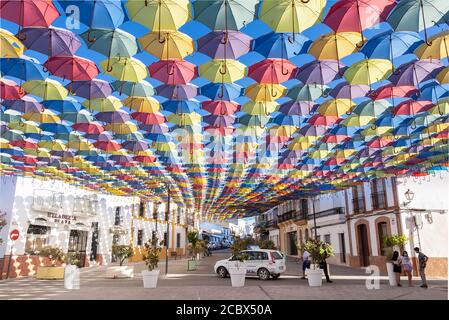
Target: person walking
<point>323,264</point>
<point>422,261</point>
<point>397,267</point>
<point>407,267</point>
<point>305,263</point>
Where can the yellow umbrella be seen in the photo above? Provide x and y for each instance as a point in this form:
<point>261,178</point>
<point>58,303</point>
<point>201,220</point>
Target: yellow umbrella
<point>355,120</point>
<point>4,144</point>
<point>142,104</point>
<point>441,108</point>
<point>121,128</point>
<point>159,14</point>
<point>335,107</point>
<point>259,108</point>
<point>167,45</point>
<point>226,71</point>
<point>443,76</point>
<point>368,71</point>
<point>46,116</point>
<point>265,92</point>
<point>125,69</point>
<point>56,145</point>
<point>10,46</point>
<point>251,131</point>
<point>47,89</point>
<point>40,152</point>
<point>283,130</point>
<point>164,146</point>
<point>109,103</point>
<point>438,49</point>
<point>377,131</point>
<point>82,145</point>
<point>335,46</point>
<point>319,154</point>
<point>25,126</point>
<point>185,119</point>
<point>291,15</point>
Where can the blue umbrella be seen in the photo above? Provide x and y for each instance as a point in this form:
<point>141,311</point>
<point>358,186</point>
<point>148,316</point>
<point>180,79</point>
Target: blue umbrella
<point>278,45</point>
<point>55,128</point>
<point>23,68</point>
<point>217,91</point>
<point>391,45</point>
<point>285,120</point>
<point>434,92</point>
<point>13,151</point>
<point>108,14</point>
<point>68,105</point>
<point>181,106</point>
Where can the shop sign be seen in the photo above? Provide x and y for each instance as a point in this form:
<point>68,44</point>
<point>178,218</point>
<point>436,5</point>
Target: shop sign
<point>61,218</point>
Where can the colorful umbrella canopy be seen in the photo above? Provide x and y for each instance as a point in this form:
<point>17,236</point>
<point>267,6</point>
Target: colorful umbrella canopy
<point>335,46</point>
<point>224,45</point>
<point>73,68</point>
<point>10,46</point>
<point>39,13</point>
<point>167,45</point>
<point>111,42</point>
<point>173,71</point>
<point>224,71</point>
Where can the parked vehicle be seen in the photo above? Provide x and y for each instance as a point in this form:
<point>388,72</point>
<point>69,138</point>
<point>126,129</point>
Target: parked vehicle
<point>262,263</point>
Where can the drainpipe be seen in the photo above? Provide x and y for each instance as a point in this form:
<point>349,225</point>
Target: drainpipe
<point>348,222</point>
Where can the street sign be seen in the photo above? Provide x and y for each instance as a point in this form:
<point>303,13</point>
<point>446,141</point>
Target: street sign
<point>14,235</point>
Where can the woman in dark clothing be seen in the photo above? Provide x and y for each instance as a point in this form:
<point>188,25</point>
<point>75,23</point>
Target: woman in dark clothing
<point>397,267</point>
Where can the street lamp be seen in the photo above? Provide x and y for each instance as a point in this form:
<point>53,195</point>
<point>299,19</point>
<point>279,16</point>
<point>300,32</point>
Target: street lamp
<point>409,195</point>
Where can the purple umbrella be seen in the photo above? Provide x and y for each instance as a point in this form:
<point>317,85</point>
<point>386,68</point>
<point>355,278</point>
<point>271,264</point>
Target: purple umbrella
<point>313,131</point>
<point>50,41</point>
<point>415,72</point>
<point>296,108</point>
<point>65,154</point>
<point>307,167</point>
<point>26,104</point>
<point>178,92</point>
<point>217,46</point>
<point>219,120</point>
<point>121,158</point>
<point>91,89</point>
<point>345,90</point>
<point>118,116</point>
<point>154,128</point>
<point>320,71</point>
<point>135,146</point>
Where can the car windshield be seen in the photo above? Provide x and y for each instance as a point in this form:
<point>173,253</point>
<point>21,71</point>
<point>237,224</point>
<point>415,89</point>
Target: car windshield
<point>276,255</point>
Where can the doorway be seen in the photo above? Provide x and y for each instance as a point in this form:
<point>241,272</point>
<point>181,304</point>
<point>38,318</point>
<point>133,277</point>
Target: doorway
<point>115,240</point>
<point>291,243</point>
<point>78,244</point>
<point>94,244</point>
<point>362,232</point>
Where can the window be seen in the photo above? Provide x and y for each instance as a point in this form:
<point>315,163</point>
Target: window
<point>358,199</point>
<point>304,207</point>
<point>306,234</point>
<point>327,238</point>
<point>153,235</point>
<point>142,209</point>
<point>178,219</point>
<point>155,213</point>
<point>178,240</point>
<point>165,239</point>
<point>378,194</point>
<point>118,218</point>
<point>37,238</point>
<point>139,237</point>
<point>382,233</point>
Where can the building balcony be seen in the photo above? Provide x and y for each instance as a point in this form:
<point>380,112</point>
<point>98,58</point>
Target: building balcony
<point>379,200</point>
<point>358,205</point>
<point>339,211</point>
<point>291,215</point>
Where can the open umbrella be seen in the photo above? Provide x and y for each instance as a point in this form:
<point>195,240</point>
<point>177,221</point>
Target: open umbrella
<point>265,92</point>
<point>109,103</point>
<point>178,92</point>
<point>438,49</point>
<point>142,104</point>
<point>167,45</point>
<point>224,45</point>
<point>72,67</point>
<point>29,13</point>
<point>224,71</point>
<point>281,45</point>
<point>220,107</point>
<point>25,104</point>
<point>47,89</point>
<point>24,68</point>
<point>335,46</point>
<point>124,69</point>
<point>111,42</point>
<point>272,71</point>
<point>137,89</point>
<point>415,72</point>
<point>173,71</point>
<point>335,107</point>
<point>368,71</point>
<point>90,89</point>
<point>225,91</point>
<point>319,72</point>
<point>10,46</point>
<point>10,90</point>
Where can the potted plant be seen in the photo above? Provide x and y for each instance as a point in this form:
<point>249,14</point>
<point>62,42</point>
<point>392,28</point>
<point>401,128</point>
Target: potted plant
<point>71,272</point>
<point>151,258</point>
<point>122,252</point>
<point>317,249</point>
<point>56,257</point>
<point>194,249</point>
<point>237,269</point>
<point>393,243</point>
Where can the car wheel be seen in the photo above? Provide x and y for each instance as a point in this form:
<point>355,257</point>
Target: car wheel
<point>275,276</point>
<point>263,274</point>
<point>222,272</point>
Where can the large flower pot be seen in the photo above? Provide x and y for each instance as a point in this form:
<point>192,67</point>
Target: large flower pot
<point>50,273</point>
<point>120,272</point>
<point>150,278</point>
<point>237,276</point>
<point>391,274</point>
<point>315,277</point>
<point>71,277</point>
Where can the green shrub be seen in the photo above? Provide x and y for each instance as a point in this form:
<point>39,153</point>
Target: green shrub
<point>122,252</point>
<point>267,244</point>
<point>317,249</point>
<point>55,254</point>
<point>151,254</point>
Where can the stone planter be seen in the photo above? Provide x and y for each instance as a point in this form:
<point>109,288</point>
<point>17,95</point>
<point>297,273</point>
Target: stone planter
<point>315,277</point>
<point>50,273</point>
<point>120,272</point>
<point>391,274</point>
<point>238,275</point>
<point>150,278</point>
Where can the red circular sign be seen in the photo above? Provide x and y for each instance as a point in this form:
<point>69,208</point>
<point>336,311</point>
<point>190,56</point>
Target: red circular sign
<point>14,235</point>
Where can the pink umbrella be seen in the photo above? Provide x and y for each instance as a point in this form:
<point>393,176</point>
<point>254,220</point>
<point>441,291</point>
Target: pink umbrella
<point>220,107</point>
<point>393,91</point>
<point>148,118</point>
<point>29,13</point>
<point>89,127</point>
<point>272,70</point>
<point>173,71</point>
<point>72,67</point>
<point>10,90</point>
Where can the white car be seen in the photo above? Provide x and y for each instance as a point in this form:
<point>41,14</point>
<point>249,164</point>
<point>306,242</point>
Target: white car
<point>261,262</point>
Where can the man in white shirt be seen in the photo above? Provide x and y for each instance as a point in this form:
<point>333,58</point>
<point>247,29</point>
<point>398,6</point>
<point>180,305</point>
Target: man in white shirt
<point>305,263</point>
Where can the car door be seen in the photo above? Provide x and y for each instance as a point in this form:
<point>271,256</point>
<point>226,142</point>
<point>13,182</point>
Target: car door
<point>251,263</point>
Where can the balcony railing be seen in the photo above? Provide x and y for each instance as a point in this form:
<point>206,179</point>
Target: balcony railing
<point>47,200</point>
<point>330,212</point>
<point>291,215</point>
<point>378,200</point>
<point>358,205</point>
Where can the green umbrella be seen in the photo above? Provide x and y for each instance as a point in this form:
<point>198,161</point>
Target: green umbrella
<point>371,108</point>
<point>135,89</point>
<point>307,92</point>
<point>111,43</point>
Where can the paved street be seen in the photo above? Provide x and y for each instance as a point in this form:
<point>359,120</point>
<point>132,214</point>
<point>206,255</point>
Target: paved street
<point>202,284</point>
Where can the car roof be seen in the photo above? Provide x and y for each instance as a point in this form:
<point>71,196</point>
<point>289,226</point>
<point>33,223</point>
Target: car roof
<point>263,250</point>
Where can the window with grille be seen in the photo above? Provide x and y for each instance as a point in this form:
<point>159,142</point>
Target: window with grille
<point>142,209</point>
<point>139,237</point>
<point>178,240</point>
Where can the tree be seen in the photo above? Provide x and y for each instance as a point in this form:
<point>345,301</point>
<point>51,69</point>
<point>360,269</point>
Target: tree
<point>151,254</point>
<point>195,245</point>
<point>267,244</point>
<point>393,241</point>
<point>122,252</point>
<point>317,249</point>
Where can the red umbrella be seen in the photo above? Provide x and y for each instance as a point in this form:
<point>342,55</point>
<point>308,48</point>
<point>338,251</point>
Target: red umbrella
<point>25,144</point>
<point>72,67</point>
<point>411,107</point>
<point>392,91</point>
<point>173,71</point>
<point>89,127</point>
<point>29,13</point>
<point>357,15</point>
<point>272,70</point>
<point>149,118</point>
<point>221,107</point>
<point>220,131</point>
<point>320,120</point>
<point>10,90</point>
<point>145,159</point>
<point>110,145</point>
<point>334,138</point>
<point>26,159</point>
